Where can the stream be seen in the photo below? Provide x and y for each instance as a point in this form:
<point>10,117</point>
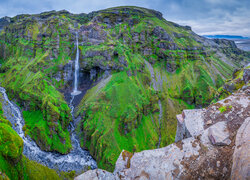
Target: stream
<point>78,159</point>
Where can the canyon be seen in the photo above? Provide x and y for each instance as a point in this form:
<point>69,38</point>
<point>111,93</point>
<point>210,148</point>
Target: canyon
<point>81,91</point>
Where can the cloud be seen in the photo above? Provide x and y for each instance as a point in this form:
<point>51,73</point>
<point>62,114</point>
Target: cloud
<point>205,16</point>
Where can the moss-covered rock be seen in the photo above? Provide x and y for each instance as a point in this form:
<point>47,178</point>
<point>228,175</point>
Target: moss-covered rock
<point>11,145</point>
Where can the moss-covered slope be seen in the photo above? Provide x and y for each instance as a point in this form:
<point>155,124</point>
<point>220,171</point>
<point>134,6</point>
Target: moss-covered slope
<point>13,164</point>
<point>121,108</point>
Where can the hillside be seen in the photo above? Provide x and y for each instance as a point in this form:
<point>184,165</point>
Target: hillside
<point>137,71</point>
<point>211,143</point>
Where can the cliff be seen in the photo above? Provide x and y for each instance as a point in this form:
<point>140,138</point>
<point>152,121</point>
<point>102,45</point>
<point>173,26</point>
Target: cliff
<point>211,143</point>
<point>137,71</point>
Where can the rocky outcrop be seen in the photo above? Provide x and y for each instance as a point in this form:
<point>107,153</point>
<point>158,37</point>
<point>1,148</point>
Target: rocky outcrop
<point>240,79</point>
<point>246,75</point>
<point>241,159</point>
<point>95,175</point>
<point>189,123</point>
<point>4,22</point>
<point>206,146</point>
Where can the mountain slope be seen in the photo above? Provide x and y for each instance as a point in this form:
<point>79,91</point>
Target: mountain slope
<point>137,71</point>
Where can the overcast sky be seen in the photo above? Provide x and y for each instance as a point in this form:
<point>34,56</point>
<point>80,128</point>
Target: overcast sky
<point>204,16</point>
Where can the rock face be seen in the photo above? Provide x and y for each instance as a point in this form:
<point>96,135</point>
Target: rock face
<point>207,154</point>
<point>241,157</point>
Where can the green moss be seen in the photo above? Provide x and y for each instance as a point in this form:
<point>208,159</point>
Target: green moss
<point>11,145</point>
<point>28,83</point>
<point>36,171</point>
<point>12,161</point>
<point>223,109</point>
<point>37,128</point>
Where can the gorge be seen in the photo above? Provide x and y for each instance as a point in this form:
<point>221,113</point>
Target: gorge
<point>82,90</point>
<point>76,160</point>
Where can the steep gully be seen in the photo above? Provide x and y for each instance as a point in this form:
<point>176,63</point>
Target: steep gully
<point>154,84</point>
<point>78,159</point>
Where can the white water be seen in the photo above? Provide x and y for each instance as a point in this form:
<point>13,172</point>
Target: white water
<point>154,84</point>
<point>78,159</point>
<point>75,90</point>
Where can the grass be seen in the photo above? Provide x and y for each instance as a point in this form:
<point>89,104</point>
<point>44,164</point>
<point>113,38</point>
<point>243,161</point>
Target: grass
<point>223,109</point>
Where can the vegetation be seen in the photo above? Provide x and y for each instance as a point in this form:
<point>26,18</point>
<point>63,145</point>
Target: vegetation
<point>120,109</point>
<point>13,164</point>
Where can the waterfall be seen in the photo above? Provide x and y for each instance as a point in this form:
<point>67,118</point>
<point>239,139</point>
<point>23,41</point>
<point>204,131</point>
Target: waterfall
<point>75,91</point>
<point>155,87</point>
<point>78,159</point>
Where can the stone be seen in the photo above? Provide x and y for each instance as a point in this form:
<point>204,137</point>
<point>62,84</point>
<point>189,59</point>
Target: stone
<point>246,75</point>
<point>189,123</point>
<point>181,132</point>
<point>218,163</point>
<point>241,156</point>
<point>160,163</point>
<point>218,134</point>
<point>194,121</point>
<point>224,170</point>
<point>209,122</point>
<point>96,174</point>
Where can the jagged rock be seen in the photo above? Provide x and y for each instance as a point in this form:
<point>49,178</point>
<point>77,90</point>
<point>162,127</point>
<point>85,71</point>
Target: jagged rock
<point>219,134</point>
<point>197,156</point>
<point>159,163</point>
<point>189,123</point>
<point>96,174</point>
<point>241,156</point>
<point>246,75</point>
<point>162,34</point>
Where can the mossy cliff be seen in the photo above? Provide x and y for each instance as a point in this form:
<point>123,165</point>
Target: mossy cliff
<point>13,164</point>
<point>240,79</point>
<point>127,103</point>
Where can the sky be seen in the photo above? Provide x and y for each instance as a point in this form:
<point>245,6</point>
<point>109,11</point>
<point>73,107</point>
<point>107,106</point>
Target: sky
<point>206,17</point>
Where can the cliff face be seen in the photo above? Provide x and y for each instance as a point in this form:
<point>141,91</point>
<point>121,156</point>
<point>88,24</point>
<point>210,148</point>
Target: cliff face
<point>211,143</point>
<point>137,71</point>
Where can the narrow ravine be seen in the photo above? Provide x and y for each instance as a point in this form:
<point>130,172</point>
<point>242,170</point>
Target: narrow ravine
<point>78,159</point>
<point>155,87</point>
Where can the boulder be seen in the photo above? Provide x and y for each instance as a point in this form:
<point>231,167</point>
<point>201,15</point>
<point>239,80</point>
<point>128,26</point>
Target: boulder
<point>241,156</point>
<point>219,134</point>
<point>96,174</point>
<point>189,123</point>
<point>246,75</point>
<point>159,163</point>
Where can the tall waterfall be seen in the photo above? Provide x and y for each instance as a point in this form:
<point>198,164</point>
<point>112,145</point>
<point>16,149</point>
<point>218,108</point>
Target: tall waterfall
<point>78,159</point>
<point>75,91</point>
